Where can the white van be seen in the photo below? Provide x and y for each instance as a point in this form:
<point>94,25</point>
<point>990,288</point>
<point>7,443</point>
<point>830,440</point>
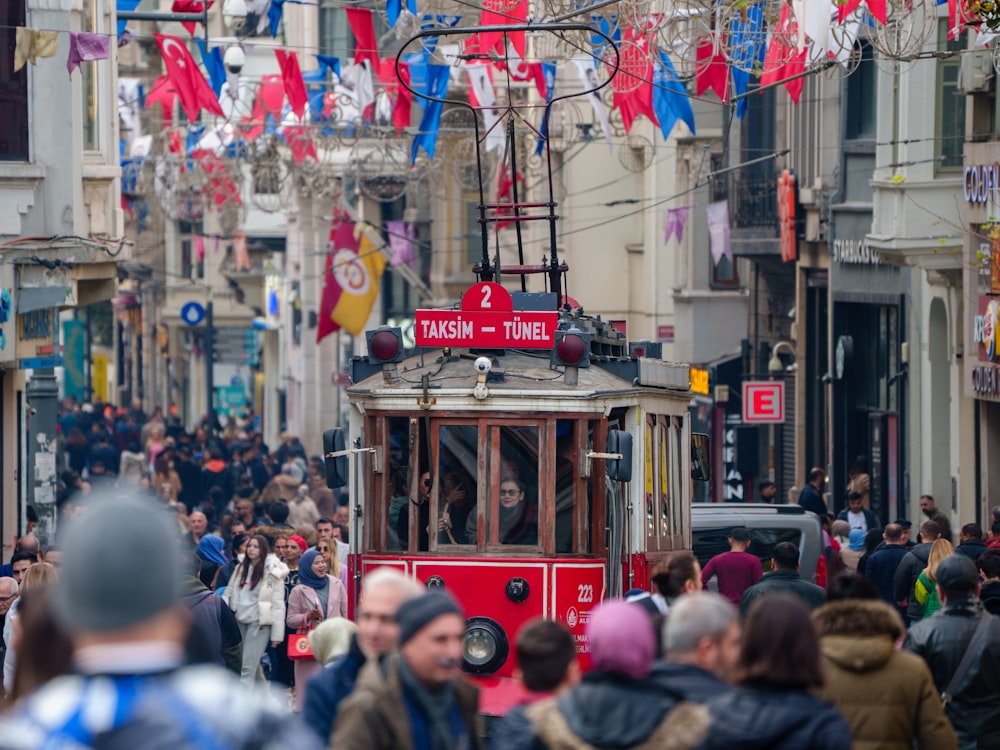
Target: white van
<point>711,524</point>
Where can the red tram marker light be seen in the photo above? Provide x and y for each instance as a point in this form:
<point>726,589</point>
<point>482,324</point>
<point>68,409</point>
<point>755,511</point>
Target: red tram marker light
<point>572,348</point>
<point>385,345</point>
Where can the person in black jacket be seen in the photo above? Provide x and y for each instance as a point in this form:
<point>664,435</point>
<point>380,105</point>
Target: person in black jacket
<point>785,578</point>
<point>881,567</point>
<point>971,541</point>
<point>974,708</point>
<point>811,497</point>
<point>772,708</point>
<point>989,569</point>
<point>858,516</point>
<point>383,591</point>
<point>910,568</point>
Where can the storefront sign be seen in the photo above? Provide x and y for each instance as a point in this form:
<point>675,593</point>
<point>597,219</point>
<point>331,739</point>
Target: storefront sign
<point>981,182</point>
<point>788,234</point>
<point>986,381</point>
<point>855,252</point>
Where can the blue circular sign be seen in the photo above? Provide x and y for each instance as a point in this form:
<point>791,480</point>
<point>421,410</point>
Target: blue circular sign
<point>192,313</point>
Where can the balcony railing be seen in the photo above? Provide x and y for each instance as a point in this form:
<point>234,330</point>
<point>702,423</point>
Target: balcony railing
<point>753,203</point>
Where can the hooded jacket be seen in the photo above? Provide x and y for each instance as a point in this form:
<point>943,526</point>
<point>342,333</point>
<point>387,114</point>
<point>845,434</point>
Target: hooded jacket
<point>606,711</point>
<point>941,640</point>
<point>906,575</point>
<point>887,696</point>
<point>757,717</point>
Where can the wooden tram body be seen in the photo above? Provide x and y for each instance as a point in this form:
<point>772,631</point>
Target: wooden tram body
<point>436,416</point>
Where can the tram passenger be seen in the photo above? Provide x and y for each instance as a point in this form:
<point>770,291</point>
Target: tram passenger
<point>423,506</point>
<point>518,519</point>
<point>455,507</point>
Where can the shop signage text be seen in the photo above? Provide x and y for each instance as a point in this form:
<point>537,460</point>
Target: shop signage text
<point>981,182</point>
<point>855,252</point>
<point>986,381</point>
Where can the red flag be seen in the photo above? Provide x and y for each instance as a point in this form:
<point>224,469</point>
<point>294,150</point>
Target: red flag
<point>192,88</point>
<point>496,14</point>
<point>189,6</point>
<point>220,185</point>
<point>270,99</point>
<point>300,144</point>
<point>781,60</point>
<point>403,106</point>
<point>331,291</point>
<point>295,87</point>
<point>714,71</point>
<point>363,27</point>
<point>164,94</point>
<point>632,88</point>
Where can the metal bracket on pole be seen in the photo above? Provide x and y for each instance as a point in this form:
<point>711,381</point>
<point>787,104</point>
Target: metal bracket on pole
<point>375,451</point>
<point>152,15</point>
<point>589,455</point>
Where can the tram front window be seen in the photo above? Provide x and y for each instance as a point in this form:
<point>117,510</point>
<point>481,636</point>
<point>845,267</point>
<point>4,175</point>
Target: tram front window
<point>513,504</point>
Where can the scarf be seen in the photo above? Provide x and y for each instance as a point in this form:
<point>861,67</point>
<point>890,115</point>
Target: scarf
<point>436,708</point>
<point>306,574</point>
<point>210,549</point>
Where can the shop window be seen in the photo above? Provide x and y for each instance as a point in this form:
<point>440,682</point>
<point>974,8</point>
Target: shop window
<point>13,86</point>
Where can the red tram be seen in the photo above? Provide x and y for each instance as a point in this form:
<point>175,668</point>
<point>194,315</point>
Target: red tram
<point>494,474</point>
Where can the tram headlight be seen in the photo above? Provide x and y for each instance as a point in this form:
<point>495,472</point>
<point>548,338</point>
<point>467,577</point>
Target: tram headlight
<point>486,646</point>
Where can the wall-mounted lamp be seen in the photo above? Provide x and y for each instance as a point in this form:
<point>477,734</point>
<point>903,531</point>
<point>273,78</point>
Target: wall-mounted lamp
<point>774,365</point>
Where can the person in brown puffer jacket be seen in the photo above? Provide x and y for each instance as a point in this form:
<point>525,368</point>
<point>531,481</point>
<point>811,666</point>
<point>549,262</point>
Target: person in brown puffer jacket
<point>887,696</point>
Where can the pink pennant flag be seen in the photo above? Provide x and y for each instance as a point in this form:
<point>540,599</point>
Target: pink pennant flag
<point>241,255</point>
<point>719,233</point>
<point>401,241</point>
<point>199,248</point>
<point>84,47</point>
<point>675,221</point>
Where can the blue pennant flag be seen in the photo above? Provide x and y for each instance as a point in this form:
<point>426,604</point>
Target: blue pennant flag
<point>329,62</point>
<point>194,134</point>
<point>394,7</point>
<point>419,74</point>
<point>549,70</point>
<point>608,25</point>
<point>316,91</point>
<point>436,21</point>
<point>431,121</point>
<point>212,60</point>
<point>125,5</point>
<point>747,43</point>
<point>670,99</point>
<point>274,15</point>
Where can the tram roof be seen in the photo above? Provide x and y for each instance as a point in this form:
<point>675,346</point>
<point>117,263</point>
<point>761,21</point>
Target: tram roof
<point>519,373</point>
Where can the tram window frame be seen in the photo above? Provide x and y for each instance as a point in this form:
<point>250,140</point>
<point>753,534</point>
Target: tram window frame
<point>434,540</point>
<point>544,491</point>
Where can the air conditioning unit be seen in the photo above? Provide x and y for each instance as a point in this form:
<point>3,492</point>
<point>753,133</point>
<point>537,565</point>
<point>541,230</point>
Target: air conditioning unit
<point>975,72</point>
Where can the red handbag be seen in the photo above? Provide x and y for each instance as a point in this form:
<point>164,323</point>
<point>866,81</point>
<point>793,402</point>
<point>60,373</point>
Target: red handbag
<point>298,644</point>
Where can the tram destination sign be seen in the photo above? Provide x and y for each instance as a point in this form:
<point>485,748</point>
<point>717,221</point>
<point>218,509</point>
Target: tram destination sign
<point>487,320</point>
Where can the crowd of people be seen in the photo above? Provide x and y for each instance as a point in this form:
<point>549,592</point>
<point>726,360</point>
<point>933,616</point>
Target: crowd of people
<point>159,623</point>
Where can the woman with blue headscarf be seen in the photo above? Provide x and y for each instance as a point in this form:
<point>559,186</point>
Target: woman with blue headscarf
<point>212,559</point>
<point>316,597</point>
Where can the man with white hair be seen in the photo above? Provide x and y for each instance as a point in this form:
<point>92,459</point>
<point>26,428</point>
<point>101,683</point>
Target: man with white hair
<point>382,592</point>
<point>701,641</point>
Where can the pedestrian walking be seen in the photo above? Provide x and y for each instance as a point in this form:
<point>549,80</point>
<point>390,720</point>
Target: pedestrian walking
<point>887,696</point>
<point>925,587</point>
<point>961,645</point>
<point>618,699</point>
<point>383,591</point>
<point>785,578</point>
<point>909,569</point>
<point>736,570</point>
<point>317,597</point>
<point>129,687</point>
<point>256,593</point>
<point>772,707</point>
<point>416,699</point>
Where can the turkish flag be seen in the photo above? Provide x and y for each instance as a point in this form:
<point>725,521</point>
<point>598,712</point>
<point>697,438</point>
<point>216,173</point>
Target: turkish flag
<point>295,87</point>
<point>633,86</point>
<point>392,81</point>
<point>363,27</point>
<point>783,61</point>
<point>270,99</point>
<point>163,93</point>
<point>189,6</point>
<point>503,13</point>
<point>192,88</point>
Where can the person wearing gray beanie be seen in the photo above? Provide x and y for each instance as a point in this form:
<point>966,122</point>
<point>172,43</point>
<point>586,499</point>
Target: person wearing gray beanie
<point>118,601</point>
<point>418,693</point>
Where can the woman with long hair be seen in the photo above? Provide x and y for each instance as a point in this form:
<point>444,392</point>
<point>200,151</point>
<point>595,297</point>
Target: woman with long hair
<point>778,666</point>
<point>44,650</point>
<point>256,593</point>
<point>39,574</point>
<point>318,596</point>
<point>860,481</point>
<point>328,550</point>
<point>925,587</point>
<point>679,575</point>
